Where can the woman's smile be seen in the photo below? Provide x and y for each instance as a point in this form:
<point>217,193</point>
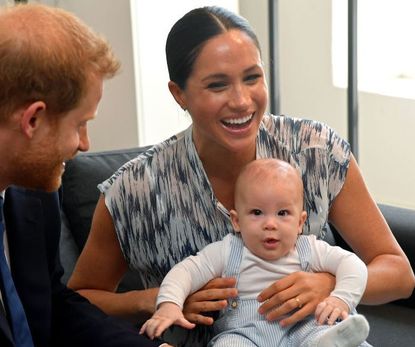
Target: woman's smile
<point>238,123</point>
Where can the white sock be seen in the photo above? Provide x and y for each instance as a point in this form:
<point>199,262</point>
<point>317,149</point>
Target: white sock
<point>349,333</point>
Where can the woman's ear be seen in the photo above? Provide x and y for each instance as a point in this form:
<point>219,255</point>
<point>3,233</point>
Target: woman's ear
<point>235,221</point>
<point>31,118</point>
<point>177,93</point>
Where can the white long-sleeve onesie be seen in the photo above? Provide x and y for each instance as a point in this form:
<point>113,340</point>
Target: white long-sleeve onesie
<point>256,274</point>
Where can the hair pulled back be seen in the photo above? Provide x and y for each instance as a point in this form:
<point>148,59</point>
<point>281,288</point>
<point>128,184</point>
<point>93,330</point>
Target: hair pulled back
<point>189,34</point>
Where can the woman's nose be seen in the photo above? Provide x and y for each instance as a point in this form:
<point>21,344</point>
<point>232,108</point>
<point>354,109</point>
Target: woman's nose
<point>239,98</point>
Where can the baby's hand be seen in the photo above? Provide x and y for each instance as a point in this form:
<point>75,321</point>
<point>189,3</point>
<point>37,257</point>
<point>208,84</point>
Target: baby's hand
<point>166,315</point>
<point>331,309</point>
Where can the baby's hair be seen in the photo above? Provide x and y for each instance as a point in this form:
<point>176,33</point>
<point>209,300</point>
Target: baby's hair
<point>261,170</point>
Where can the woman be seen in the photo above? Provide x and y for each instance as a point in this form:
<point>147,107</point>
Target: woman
<point>175,198</point>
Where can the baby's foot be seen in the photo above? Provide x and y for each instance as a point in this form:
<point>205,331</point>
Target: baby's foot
<point>349,333</point>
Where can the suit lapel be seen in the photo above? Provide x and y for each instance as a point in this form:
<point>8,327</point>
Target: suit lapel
<point>25,222</point>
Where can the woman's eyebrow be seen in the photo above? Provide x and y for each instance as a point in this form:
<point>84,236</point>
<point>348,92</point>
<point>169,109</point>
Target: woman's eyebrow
<point>223,75</point>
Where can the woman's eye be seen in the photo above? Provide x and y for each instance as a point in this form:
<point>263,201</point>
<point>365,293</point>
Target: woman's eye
<point>252,78</point>
<point>256,212</point>
<point>216,85</point>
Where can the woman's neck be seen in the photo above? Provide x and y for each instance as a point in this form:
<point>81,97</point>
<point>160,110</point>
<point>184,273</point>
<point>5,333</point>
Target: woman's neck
<point>222,169</point>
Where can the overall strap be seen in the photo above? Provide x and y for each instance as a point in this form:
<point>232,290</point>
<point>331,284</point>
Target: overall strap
<point>304,252</point>
<point>235,257</point>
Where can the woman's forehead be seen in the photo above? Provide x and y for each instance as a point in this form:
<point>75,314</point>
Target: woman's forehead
<point>233,48</point>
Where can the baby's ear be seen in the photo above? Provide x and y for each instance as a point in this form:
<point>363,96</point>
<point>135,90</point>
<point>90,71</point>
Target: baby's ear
<point>302,220</point>
<point>235,221</point>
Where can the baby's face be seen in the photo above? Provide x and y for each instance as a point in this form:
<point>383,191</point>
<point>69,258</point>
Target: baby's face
<point>270,217</point>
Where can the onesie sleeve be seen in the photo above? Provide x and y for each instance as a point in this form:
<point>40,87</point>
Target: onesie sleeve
<point>350,271</point>
<point>193,273</point>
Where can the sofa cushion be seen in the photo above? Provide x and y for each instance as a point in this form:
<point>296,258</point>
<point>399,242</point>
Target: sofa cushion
<point>390,325</point>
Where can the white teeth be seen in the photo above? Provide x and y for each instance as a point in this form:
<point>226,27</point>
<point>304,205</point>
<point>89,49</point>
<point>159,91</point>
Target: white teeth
<point>239,120</point>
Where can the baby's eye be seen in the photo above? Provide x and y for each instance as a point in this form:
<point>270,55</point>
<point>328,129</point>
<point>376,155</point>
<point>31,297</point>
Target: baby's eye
<point>283,213</point>
<point>256,212</point>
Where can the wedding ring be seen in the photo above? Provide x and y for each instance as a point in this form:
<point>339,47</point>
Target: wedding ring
<point>298,302</point>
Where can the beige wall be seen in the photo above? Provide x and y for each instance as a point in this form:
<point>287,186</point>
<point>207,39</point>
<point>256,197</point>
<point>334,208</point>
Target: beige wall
<point>386,124</point>
<point>256,12</point>
<point>116,125</point>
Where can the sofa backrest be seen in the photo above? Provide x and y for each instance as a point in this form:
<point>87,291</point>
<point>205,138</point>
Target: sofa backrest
<point>80,180</point>
<point>80,195</point>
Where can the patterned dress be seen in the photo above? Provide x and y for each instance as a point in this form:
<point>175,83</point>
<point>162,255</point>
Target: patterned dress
<point>164,208</point>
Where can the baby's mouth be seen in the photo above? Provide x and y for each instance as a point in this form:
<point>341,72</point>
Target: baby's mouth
<point>271,242</point>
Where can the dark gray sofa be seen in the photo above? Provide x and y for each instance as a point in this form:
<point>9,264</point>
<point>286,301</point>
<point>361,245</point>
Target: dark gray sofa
<point>391,325</point>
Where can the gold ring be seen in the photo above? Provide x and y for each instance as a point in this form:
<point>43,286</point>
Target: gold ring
<point>298,302</point>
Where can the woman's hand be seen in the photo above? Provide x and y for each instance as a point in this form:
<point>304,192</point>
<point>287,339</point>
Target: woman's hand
<point>212,297</point>
<point>300,290</point>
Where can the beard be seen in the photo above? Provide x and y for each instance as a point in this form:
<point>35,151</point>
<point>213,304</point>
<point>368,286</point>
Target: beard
<point>40,167</point>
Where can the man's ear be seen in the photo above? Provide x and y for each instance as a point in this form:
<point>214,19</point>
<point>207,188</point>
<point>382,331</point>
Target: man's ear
<point>235,221</point>
<point>31,117</point>
<point>177,93</point>
<point>301,222</point>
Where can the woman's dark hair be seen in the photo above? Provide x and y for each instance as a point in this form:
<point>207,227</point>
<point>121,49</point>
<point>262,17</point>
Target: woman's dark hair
<point>189,34</point>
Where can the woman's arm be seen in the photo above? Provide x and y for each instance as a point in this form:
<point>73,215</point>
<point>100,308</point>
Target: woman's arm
<point>359,221</point>
<point>100,268</point>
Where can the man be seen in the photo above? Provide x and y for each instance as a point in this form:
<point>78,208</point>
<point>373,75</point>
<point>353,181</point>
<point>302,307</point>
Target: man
<point>52,69</point>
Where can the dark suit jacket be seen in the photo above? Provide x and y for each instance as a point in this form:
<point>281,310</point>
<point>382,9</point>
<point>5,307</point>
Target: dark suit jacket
<point>57,316</point>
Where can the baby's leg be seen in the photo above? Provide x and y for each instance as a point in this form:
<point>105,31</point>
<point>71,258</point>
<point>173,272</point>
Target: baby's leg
<point>351,332</point>
<point>230,339</point>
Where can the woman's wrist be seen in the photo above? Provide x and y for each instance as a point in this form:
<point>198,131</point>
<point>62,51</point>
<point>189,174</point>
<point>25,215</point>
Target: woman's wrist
<point>144,302</point>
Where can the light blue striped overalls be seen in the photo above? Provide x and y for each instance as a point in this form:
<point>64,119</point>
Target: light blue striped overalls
<point>240,324</point>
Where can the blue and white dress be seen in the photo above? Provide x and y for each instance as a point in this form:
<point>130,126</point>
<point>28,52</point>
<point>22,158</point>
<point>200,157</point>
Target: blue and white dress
<point>164,208</point>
